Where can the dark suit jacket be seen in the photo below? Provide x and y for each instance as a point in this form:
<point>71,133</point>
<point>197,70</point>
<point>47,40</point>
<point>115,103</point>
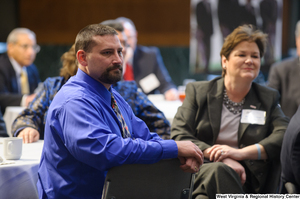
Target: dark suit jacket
<point>3,132</point>
<point>285,77</point>
<point>9,93</point>
<point>199,119</point>
<point>290,152</point>
<point>147,60</point>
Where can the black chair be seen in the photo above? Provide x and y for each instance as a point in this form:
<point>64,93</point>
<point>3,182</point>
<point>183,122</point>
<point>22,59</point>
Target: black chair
<point>163,179</point>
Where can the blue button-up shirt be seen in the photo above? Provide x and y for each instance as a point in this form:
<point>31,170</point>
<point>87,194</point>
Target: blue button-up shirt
<point>83,140</point>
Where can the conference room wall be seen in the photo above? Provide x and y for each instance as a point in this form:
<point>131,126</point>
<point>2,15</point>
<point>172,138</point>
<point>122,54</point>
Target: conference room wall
<point>162,23</point>
<point>159,22</point>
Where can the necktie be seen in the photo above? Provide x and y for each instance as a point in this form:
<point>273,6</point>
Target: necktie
<point>125,131</point>
<point>24,83</point>
<point>128,75</point>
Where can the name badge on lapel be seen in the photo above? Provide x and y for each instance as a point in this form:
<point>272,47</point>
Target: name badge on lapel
<point>250,116</point>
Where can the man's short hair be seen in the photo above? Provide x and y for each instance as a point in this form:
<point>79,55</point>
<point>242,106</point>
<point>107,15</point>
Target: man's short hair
<point>114,24</point>
<point>84,39</point>
<point>13,35</point>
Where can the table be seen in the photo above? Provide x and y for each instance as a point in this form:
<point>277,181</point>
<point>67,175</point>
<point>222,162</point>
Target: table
<point>169,108</point>
<point>18,180</point>
<point>11,112</point>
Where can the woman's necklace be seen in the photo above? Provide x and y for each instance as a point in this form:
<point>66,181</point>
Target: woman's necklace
<point>233,107</point>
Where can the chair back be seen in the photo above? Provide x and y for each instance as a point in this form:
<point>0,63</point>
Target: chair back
<point>163,179</point>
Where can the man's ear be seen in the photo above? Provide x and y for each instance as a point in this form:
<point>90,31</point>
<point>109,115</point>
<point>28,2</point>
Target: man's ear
<point>81,57</point>
<point>10,48</point>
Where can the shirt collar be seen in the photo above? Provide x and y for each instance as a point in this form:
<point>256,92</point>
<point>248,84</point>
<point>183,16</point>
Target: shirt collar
<point>17,67</point>
<point>97,86</point>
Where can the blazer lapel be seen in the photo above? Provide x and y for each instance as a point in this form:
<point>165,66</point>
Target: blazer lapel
<point>251,102</point>
<point>214,103</point>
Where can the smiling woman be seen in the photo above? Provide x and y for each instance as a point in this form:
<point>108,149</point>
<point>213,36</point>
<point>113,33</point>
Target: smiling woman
<point>235,122</point>
<point>243,62</point>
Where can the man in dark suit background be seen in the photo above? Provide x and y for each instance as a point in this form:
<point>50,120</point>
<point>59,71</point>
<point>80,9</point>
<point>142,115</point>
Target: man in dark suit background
<point>147,66</point>
<point>285,77</point>
<point>19,77</point>
<point>290,153</point>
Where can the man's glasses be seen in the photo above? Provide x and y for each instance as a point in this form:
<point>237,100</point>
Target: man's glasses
<point>25,47</point>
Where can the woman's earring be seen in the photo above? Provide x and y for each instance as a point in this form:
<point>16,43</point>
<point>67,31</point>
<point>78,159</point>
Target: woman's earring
<point>224,67</point>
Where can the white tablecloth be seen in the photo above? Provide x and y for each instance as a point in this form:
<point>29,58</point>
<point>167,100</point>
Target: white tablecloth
<point>18,180</point>
<point>169,108</point>
<point>11,112</point>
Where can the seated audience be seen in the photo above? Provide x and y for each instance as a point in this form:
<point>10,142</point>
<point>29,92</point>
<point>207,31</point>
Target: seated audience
<point>90,128</point>
<point>145,61</point>
<point>290,152</point>
<point>285,76</point>
<point>237,123</point>
<point>19,77</point>
<point>3,132</point>
<point>31,122</point>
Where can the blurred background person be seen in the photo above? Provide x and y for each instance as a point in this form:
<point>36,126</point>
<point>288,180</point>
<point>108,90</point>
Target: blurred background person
<point>285,77</point>
<point>290,153</point>
<point>19,77</point>
<point>237,123</point>
<point>146,65</point>
<point>31,122</point>
<point>204,33</point>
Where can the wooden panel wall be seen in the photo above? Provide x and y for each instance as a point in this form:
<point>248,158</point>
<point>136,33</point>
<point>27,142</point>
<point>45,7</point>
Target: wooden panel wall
<point>159,22</point>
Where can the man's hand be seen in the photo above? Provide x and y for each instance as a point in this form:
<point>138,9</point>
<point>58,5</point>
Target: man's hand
<point>190,156</point>
<point>237,167</point>
<point>189,165</point>
<point>29,98</point>
<point>171,94</point>
<point>29,135</point>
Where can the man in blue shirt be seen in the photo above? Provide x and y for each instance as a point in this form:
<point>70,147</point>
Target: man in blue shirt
<point>83,134</point>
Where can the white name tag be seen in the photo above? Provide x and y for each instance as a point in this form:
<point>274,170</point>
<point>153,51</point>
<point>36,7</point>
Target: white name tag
<point>149,83</point>
<point>250,116</point>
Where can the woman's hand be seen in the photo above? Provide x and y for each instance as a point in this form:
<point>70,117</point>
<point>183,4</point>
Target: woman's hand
<point>217,153</point>
<point>237,167</point>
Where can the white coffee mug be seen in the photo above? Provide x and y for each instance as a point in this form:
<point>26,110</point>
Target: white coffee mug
<point>12,148</point>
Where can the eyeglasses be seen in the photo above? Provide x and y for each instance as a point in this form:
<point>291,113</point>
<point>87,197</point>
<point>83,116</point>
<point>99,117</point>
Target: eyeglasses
<point>25,47</point>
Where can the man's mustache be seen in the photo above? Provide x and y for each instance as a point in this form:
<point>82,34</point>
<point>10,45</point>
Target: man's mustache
<point>120,67</point>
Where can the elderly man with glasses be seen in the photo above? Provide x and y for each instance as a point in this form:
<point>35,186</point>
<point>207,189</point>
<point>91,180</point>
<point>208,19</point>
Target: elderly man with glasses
<point>19,77</point>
